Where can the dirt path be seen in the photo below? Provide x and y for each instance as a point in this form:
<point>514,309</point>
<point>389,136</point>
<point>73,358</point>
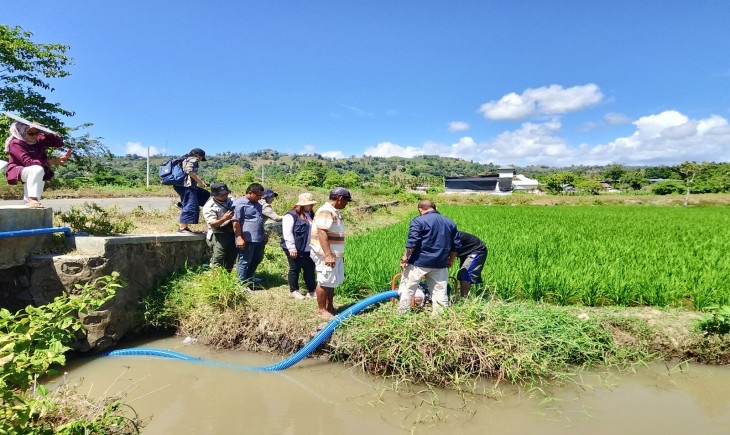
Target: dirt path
<point>124,204</point>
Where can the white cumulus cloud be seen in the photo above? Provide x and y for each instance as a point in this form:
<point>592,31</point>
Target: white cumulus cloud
<point>333,154</point>
<point>545,100</point>
<point>531,143</point>
<point>139,149</point>
<point>667,137</point>
<point>388,149</point>
<point>664,138</point>
<point>455,126</point>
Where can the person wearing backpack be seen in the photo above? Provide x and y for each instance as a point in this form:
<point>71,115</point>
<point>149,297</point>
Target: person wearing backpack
<point>192,194</point>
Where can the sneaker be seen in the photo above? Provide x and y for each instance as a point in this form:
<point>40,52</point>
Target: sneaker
<point>185,231</point>
<point>296,295</point>
<point>256,280</point>
<point>246,289</point>
<point>312,295</point>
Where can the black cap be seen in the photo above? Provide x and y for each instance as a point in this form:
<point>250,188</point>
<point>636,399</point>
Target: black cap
<point>218,189</point>
<point>268,193</point>
<point>341,191</point>
<point>199,152</point>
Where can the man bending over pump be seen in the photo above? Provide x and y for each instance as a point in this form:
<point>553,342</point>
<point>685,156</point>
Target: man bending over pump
<point>472,254</point>
<point>431,248</point>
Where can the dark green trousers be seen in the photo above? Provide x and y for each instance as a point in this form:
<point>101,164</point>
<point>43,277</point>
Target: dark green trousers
<point>224,250</point>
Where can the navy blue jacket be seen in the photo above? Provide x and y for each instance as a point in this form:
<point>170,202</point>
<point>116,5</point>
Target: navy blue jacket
<point>433,237</point>
<point>301,230</point>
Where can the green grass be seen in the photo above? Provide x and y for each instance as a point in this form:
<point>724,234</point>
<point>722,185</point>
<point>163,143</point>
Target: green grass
<point>519,342</point>
<point>608,255</point>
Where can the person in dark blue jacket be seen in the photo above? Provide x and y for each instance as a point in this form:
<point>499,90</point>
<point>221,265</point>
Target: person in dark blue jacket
<point>433,241</point>
<point>297,226</point>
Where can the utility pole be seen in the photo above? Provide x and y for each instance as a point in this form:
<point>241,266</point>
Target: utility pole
<point>148,166</point>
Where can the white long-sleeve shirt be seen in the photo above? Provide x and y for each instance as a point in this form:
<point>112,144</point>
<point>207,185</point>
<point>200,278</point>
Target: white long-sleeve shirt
<point>287,224</point>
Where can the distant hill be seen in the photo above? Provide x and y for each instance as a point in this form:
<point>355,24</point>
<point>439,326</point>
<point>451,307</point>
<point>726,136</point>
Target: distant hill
<point>302,169</point>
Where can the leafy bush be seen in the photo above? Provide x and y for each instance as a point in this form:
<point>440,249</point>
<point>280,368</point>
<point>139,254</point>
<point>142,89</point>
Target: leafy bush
<point>717,321</point>
<point>188,290</point>
<point>31,342</point>
<point>668,187</point>
<point>93,219</point>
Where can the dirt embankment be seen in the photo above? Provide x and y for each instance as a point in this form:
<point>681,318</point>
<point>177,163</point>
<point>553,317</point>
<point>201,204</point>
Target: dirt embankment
<point>272,321</point>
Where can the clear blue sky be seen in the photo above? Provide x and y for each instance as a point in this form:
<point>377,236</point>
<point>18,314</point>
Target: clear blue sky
<point>547,82</point>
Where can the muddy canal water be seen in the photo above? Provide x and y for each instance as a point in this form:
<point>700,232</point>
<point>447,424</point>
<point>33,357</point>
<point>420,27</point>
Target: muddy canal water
<point>316,396</point>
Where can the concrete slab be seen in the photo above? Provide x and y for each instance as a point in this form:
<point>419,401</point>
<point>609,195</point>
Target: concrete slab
<point>14,251</point>
<point>99,245</point>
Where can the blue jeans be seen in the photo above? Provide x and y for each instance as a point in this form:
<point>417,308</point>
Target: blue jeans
<point>192,198</point>
<point>249,259</point>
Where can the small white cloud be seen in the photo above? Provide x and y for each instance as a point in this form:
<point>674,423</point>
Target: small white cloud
<point>356,110</point>
<point>389,149</point>
<point>307,149</point>
<point>333,154</point>
<point>588,126</point>
<point>613,118</point>
<point>140,150</point>
<point>545,100</point>
<point>455,126</point>
<point>609,119</point>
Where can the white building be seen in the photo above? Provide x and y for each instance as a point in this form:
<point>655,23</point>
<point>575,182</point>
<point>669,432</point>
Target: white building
<point>503,183</point>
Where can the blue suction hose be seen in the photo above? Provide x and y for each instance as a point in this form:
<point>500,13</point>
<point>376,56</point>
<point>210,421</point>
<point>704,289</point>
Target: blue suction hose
<point>282,365</point>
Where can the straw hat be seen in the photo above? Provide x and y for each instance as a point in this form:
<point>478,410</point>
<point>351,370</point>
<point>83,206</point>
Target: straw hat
<point>306,198</point>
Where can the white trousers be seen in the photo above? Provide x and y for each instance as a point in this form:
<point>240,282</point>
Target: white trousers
<point>32,178</point>
<point>436,278</point>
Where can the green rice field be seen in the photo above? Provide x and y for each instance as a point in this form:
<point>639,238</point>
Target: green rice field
<point>589,255</point>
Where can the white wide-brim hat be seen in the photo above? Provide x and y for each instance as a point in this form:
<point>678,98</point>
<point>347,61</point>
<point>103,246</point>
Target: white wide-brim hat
<point>306,198</point>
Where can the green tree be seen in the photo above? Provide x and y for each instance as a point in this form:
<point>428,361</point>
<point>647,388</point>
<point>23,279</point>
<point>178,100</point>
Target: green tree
<point>333,179</point>
<point>690,171</point>
<point>25,67</point>
<point>667,187</point>
<point>590,185</point>
<point>634,179</point>
<point>554,182</point>
<point>233,174</point>
<point>312,173</point>
<point>25,70</point>
<point>613,173</point>
<point>351,180</point>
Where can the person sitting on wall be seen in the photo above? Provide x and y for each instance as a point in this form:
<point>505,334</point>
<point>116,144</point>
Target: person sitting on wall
<point>218,212</point>
<point>28,161</point>
<point>472,255</point>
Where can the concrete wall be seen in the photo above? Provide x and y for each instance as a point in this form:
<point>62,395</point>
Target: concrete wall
<point>140,260</point>
<point>14,251</point>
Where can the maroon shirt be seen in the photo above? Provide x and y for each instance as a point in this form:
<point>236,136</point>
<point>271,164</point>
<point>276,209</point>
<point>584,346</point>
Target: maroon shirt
<point>23,155</point>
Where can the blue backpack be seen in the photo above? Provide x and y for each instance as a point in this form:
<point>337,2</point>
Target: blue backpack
<point>171,173</point>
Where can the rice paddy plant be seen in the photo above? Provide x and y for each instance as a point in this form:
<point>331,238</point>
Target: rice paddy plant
<point>607,255</point>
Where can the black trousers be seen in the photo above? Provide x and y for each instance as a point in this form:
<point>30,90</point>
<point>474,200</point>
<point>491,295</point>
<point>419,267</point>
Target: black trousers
<point>303,263</point>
